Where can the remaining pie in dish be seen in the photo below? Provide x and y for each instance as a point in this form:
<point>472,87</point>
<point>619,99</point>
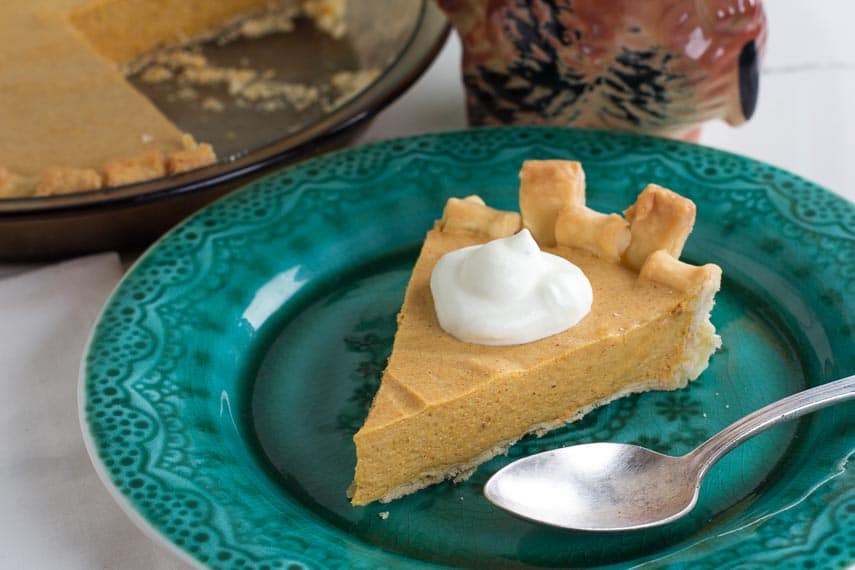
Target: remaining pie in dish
<point>445,406</point>
<point>70,120</point>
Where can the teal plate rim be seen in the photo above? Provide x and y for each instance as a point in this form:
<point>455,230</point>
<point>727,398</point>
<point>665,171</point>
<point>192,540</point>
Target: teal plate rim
<point>142,395</point>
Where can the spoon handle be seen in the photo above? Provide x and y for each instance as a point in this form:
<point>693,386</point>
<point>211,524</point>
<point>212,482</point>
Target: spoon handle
<point>783,410</point>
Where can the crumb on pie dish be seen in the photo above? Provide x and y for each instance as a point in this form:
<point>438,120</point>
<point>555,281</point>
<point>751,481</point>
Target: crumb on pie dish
<point>445,406</point>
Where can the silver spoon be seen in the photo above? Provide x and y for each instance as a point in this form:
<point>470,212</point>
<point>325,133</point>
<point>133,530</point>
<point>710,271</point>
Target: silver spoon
<point>618,486</point>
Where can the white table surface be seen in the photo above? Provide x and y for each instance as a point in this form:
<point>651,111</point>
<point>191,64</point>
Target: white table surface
<point>805,122</point>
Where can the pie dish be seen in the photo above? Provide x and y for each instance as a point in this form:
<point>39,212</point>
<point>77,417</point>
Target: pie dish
<point>79,124</point>
<point>446,406</point>
<point>131,217</point>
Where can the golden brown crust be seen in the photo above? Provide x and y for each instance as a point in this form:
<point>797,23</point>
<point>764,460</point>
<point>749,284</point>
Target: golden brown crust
<point>547,186</point>
<point>10,183</point>
<point>470,215</point>
<point>5,178</point>
<point>57,180</point>
<point>656,226</point>
<point>62,180</point>
<point>659,219</point>
<point>189,159</point>
<point>136,169</point>
<point>662,268</point>
<point>649,240</point>
<point>605,235</point>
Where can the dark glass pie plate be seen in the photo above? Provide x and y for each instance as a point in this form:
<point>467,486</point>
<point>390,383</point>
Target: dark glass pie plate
<point>249,142</point>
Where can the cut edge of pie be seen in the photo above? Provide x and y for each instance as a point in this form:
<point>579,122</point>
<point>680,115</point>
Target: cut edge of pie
<point>647,240</point>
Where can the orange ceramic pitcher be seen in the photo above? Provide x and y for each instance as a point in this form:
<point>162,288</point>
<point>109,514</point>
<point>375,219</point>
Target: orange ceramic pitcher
<point>654,66</point>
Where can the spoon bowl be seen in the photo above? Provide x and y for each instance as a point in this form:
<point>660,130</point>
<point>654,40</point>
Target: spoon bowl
<point>597,486</point>
<point>618,486</point>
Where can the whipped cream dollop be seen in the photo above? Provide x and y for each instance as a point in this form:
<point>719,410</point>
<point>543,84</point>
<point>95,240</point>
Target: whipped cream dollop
<point>508,291</point>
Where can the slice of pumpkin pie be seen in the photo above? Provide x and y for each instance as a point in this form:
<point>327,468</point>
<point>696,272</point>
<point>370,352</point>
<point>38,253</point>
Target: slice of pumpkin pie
<point>446,405</point>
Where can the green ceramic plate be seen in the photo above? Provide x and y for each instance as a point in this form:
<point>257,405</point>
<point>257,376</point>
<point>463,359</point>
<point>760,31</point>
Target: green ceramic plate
<point>233,364</point>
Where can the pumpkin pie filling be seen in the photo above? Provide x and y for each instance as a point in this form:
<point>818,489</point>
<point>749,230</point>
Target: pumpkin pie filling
<point>445,406</point>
